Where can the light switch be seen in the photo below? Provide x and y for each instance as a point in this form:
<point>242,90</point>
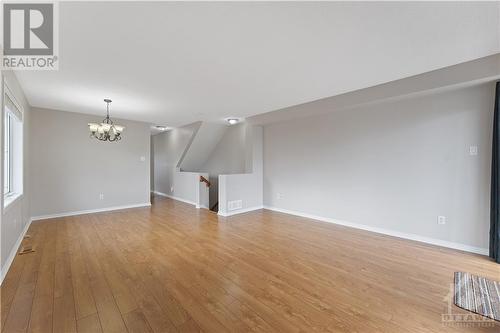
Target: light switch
<point>143,158</point>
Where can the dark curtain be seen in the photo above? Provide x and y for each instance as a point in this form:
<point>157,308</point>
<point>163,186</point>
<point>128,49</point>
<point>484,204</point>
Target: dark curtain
<point>495,182</point>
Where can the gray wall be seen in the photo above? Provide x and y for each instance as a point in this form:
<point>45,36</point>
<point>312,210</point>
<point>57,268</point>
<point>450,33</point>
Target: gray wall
<point>204,142</point>
<point>69,170</point>
<point>151,164</point>
<point>168,148</point>
<point>228,157</point>
<point>393,165</point>
<point>15,218</point>
<point>247,187</point>
<point>222,153</point>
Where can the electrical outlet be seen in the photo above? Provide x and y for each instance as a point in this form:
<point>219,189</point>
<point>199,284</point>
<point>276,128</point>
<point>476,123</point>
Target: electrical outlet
<point>473,150</point>
<point>279,196</point>
<point>101,196</point>
<point>441,220</point>
<point>172,189</point>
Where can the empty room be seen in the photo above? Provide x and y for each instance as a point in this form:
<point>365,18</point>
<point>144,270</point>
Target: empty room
<point>250,166</point>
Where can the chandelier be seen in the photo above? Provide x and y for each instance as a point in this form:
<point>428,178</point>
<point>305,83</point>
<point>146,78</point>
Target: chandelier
<point>106,131</point>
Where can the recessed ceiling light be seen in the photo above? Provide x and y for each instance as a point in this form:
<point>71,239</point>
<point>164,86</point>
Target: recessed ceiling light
<point>232,121</point>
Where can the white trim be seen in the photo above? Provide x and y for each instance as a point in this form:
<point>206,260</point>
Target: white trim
<point>176,198</point>
<point>418,238</point>
<point>13,252</point>
<point>160,194</point>
<point>240,211</point>
<point>10,201</point>
<point>205,207</point>
<point>12,97</point>
<point>90,211</point>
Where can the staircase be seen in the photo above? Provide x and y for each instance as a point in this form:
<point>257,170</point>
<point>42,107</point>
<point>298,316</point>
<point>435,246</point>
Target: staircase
<point>219,165</point>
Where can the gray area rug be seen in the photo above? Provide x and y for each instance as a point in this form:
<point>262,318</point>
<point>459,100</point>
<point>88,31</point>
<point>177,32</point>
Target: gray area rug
<point>477,294</point>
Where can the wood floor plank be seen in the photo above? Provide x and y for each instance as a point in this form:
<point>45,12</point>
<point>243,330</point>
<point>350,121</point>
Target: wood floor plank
<point>64,302</point>
<point>174,268</point>
<point>89,324</point>
<point>168,303</point>
<point>136,322</point>
<point>157,319</point>
<point>82,293</point>
<point>245,313</point>
<point>110,317</point>
<point>126,282</point>
<point>189,326</point>
<point>10,283</point>
<point>43,302</point>
<point>20,311</point>
<point>109,314</point>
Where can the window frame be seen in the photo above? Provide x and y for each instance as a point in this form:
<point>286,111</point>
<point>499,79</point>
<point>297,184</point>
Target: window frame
<point>14,113</point>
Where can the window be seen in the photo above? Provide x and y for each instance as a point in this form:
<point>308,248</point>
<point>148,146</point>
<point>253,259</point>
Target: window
<point>12,149</point>
<point>7,169</point>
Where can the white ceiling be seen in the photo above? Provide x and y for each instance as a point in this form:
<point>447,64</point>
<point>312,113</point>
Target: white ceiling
<point>175,63</point>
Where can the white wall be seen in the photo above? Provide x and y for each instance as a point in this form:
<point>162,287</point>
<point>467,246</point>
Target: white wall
<point>69,170</point>
<point>15,219</point>
<point>391,166</point>
<point>188,188</point>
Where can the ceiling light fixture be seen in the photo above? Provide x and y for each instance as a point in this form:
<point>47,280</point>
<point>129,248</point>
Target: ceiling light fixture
<point>106,131</point>
<point>161,128</point>
<point>232,121</point>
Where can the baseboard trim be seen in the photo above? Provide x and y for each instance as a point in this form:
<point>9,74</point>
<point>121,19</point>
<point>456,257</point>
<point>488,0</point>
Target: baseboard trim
<point>89,211</point>
<point>175,198</point>
<point>240,211</point>
<point>414,237</point>
<point>13,252</point>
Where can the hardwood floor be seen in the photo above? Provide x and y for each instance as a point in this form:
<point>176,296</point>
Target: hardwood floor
<point>173,268</point>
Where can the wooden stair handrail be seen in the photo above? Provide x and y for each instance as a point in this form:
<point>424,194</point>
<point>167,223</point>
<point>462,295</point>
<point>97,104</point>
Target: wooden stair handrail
<point>204,180</point>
